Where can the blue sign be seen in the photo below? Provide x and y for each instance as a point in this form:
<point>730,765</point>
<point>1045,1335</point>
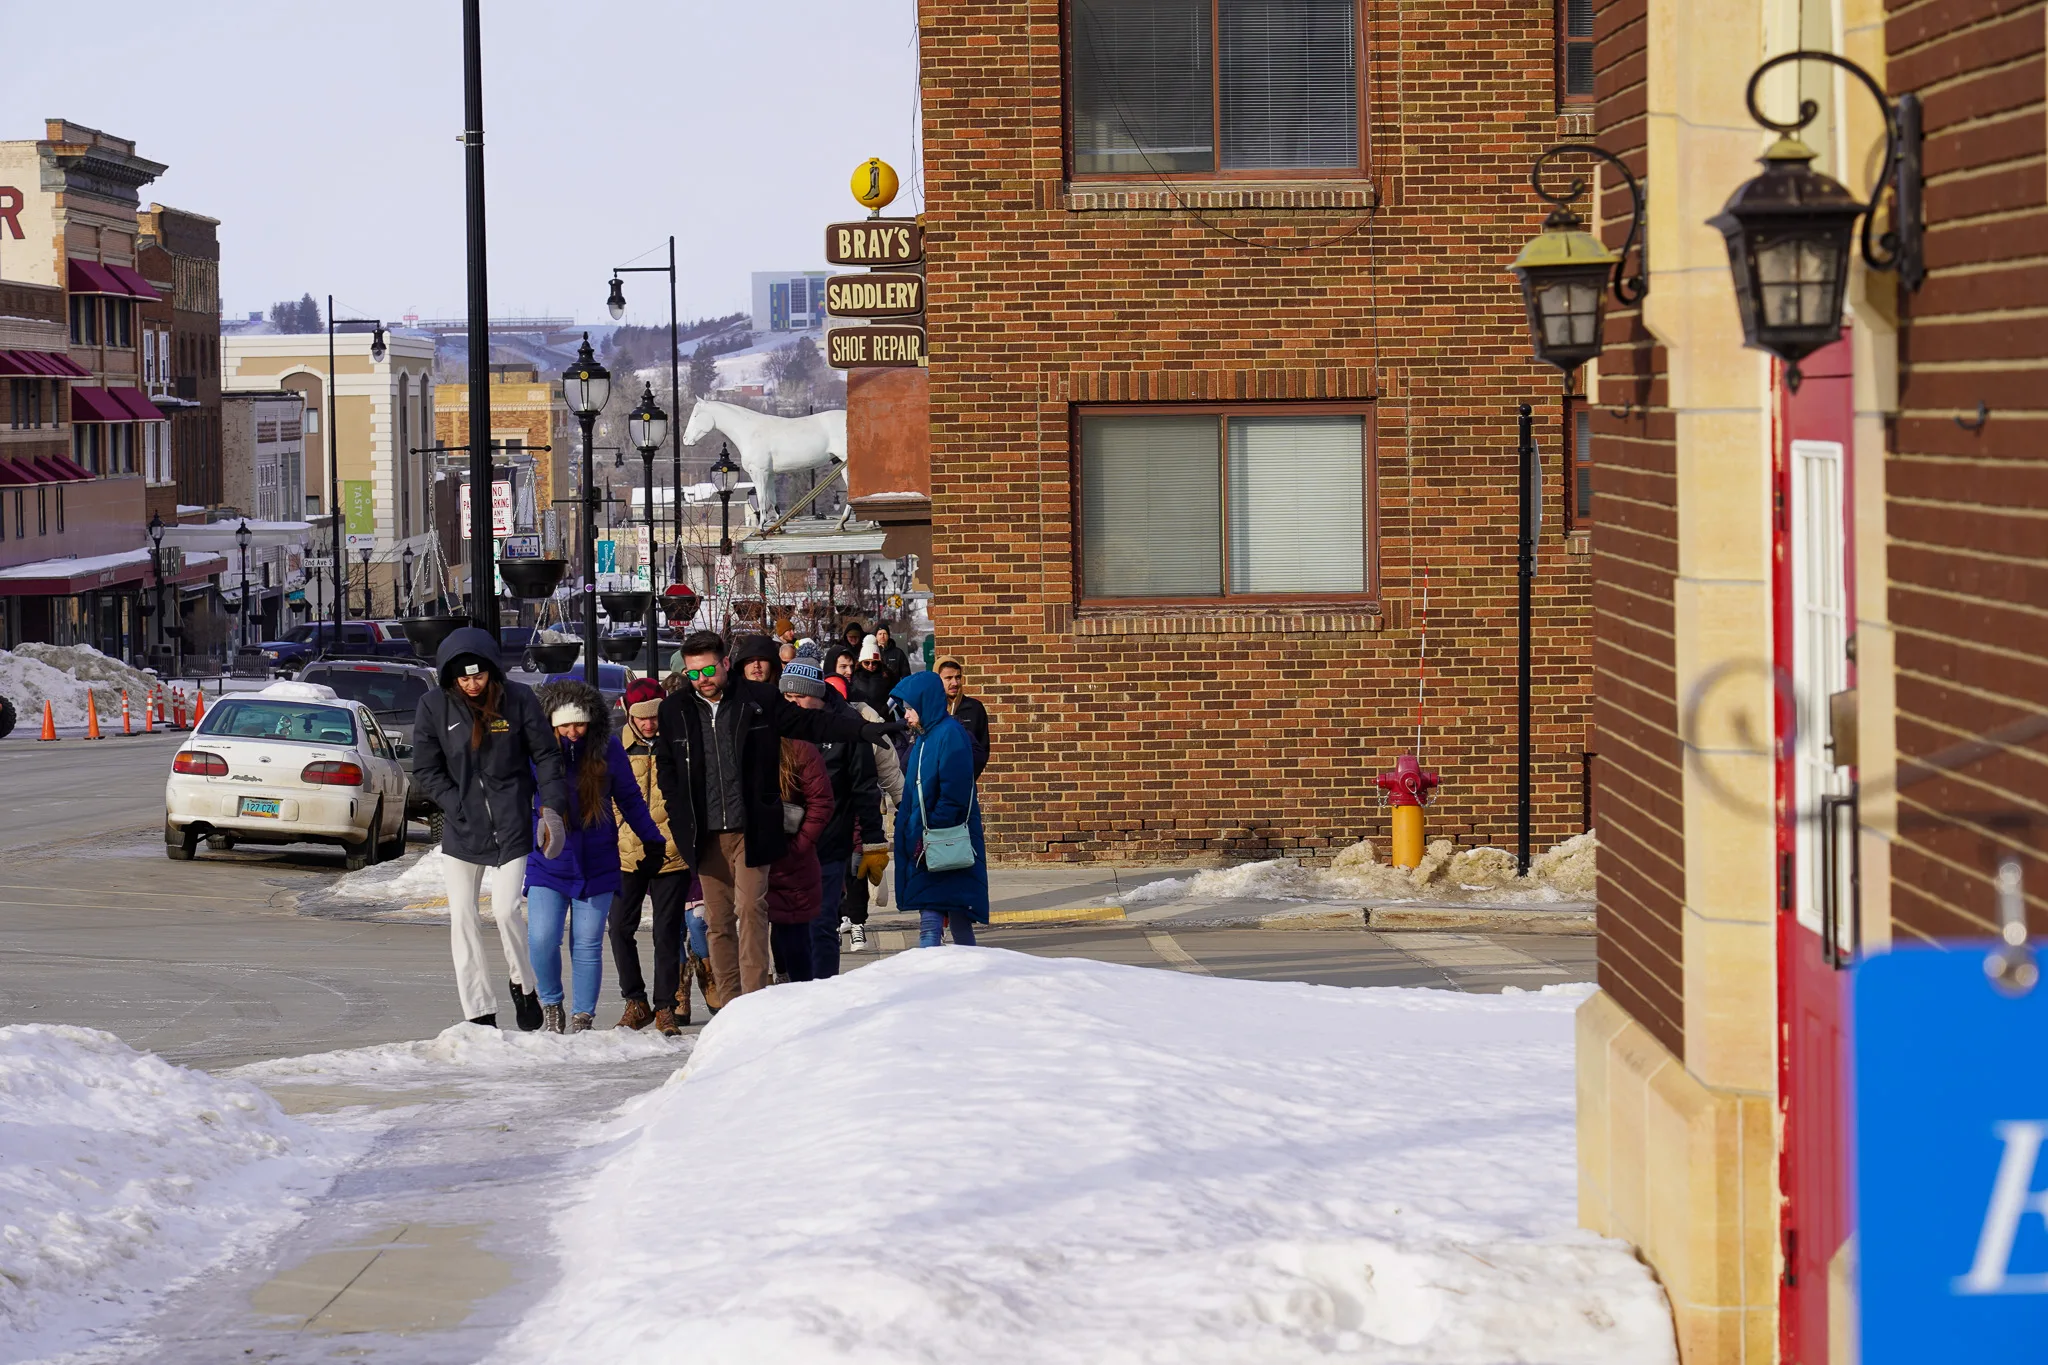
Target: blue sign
<point>607,556</point>
<point>1951,1171</point>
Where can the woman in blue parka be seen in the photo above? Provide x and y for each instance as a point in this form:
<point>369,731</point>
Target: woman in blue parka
<point>941,762</point>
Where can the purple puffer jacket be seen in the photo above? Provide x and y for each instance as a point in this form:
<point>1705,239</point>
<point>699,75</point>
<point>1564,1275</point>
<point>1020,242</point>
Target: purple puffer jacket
<point>588,864</point>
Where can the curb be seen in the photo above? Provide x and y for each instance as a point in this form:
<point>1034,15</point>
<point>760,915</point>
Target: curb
<point>1074,914</point>
<point>1491,919</point>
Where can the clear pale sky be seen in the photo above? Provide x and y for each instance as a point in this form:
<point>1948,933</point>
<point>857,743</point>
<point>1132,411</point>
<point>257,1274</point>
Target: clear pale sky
<point>324,138</point>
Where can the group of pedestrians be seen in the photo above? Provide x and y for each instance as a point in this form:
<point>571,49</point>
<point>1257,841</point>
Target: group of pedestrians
<point>750,801</point>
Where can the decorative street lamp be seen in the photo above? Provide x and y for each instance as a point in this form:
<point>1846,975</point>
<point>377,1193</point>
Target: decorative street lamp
<point>156,562</point>
<point>1788,229</point>
<point>405,560</point>
<point>616,305</point>
<point>1564,270</point>
<point>647,428</point>
<point>377,353</point>
<point>242,543</point>
<point>585,386</point>
<point>369,602</point>
<point>725,476</point>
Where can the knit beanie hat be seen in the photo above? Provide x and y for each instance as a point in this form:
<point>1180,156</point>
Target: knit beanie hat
<point>643,698</point>
<point>802,675</point>
<point>869,649</point>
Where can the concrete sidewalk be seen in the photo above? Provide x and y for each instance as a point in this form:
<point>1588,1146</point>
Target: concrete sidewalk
<point>1037,894</point>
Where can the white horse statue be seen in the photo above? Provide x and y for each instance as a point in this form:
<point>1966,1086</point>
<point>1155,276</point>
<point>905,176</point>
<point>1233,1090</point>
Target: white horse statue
<point>766,445</point>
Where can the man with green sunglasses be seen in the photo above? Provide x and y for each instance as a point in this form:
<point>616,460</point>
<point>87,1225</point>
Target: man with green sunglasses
<point>717,759</point>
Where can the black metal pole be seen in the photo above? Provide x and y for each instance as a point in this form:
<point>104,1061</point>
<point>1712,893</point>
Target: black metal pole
<point>244,623</point>
<point>334,485</point>
<point>483,595</point>
<point>589,556</point>
<point>653,651</point>
<point>675,401</point>
<point>1525,573</point>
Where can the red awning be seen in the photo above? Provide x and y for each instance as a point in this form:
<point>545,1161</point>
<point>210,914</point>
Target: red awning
<point>10,475</point>
<point>90,277</point>
<point>132,282</point>
<point>97,405</point>
<point>138,405</point>
<point>67,469</point>
<point>52,364</point>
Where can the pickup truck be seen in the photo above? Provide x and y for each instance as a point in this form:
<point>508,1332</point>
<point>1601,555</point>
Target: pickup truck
<point>301,644</point>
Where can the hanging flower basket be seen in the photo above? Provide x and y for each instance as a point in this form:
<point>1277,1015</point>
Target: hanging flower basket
<point>427,632</point>
<point>624,649</point>
<point>532,579</point>
<point>625,606</point>
<point>749,609</point>
<point>556,657</point>
<point>681,603</point>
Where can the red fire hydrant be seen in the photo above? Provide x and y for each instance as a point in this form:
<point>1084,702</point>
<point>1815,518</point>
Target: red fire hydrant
<point>1408,789</point>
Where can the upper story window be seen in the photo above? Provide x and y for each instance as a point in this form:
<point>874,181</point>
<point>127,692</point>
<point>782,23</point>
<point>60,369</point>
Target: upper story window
<point>1215,87</point>
<point>1575,53</point>
<point>1578,464</point>
<point>1225,503</point>
<point>119,314</point>
<point>85,320</point>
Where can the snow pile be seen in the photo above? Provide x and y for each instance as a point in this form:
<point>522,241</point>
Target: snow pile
<point>414,883</point>
<point>1446,873</point>
<point>88,665</point>
<point>468,1046</point>
<point>121,1174</point>
<point>28,683</point>
<point>970,1154</point>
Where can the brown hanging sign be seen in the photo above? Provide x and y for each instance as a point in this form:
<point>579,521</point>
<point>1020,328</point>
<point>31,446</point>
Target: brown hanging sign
<point>875,241</point>
<point>881,347</point>
<point>880,295</point>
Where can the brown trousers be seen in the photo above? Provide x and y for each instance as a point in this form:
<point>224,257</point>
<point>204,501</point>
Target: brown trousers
<point>735,914</point>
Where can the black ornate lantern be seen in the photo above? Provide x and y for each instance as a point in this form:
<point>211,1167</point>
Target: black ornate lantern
<point>1565,270</point>
<point>1788,230</point>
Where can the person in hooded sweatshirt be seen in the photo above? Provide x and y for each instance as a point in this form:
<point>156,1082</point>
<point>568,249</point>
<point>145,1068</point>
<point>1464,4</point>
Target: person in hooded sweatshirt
<point>938,784</point>
<point>573,887</point>
<point>484,753</point>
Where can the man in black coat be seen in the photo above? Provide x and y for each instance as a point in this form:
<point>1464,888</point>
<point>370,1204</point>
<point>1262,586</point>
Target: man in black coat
<point>856,808</point>
<point>718,759</point>
<point>478,741</point>
<point>967,710</point>
<point>895,663</point>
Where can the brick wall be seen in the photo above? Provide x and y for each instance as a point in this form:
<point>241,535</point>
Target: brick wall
<point>1969,558</point>
<point>1635,563</point>
<point>1144,734</point>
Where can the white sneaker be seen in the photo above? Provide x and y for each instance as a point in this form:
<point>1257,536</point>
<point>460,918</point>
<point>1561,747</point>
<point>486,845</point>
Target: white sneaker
<point>845,924</point>
<point>860,937</point>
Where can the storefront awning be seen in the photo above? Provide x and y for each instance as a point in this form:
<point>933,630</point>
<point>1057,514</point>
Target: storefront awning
<point>98,405</point>
<point>867,540</point>
<point>133,282</point>
<point>90,277</point>
<point>138,405</point>
<point>42,364</point>
<point>100,573</point>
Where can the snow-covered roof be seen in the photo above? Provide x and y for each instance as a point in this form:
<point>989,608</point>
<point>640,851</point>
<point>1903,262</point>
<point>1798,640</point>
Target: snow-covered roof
<point>49,568</point>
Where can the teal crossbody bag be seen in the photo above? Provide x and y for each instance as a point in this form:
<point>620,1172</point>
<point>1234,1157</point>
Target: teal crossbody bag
<point>951,848</point>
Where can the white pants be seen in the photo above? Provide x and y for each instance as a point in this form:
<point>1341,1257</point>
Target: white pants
<point>473,981</point>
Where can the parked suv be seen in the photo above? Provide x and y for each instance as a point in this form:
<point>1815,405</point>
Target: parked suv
<point>300,644</point>
<point>392,689</point>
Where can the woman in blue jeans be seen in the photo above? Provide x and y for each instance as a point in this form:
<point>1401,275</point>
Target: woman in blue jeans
<point>578,883</point>
<point>938,786</point>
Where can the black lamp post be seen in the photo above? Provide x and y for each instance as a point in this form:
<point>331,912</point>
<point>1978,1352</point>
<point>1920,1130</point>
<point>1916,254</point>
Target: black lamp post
<point>647,427</point>
<point>405,561</point>
<point>725,476</point>
<point>242,538</point>
<point>616,303</point>
<point>483,602</point>
<point>314,597</point>
<point>377,352</point>
<point>1564,271</point>
<point>585,386</point>
<point>1788,229</point>
<point>369,602</point>
<point>156,562</point>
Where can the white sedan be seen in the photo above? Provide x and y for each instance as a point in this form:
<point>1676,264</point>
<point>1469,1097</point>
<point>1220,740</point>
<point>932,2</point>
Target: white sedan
<point>292,764</point>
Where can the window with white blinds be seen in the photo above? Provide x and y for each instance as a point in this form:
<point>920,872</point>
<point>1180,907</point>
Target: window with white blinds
<point>1222,505</point>
<point>1157,84</point>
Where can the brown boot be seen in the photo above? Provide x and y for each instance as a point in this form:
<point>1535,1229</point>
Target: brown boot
<point>682,1010</point>
<point>707,981</point>
<point>636,1015</point>
<point>665,1022</point>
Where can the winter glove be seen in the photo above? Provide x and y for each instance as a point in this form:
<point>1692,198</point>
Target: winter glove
<point>873,859</point>
<point>650,861</point>
<point>875,731</point>
<point>553,834</point>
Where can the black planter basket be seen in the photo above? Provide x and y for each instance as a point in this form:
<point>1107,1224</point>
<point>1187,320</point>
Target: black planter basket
<point>625,606</point>
<point>624,649</point>
<point>679,607</point>
<point>532,578</point>
<point>427,632</point>
<point>557,657</point>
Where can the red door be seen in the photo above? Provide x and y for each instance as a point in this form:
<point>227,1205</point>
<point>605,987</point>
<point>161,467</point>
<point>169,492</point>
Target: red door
<point>1814,625</point>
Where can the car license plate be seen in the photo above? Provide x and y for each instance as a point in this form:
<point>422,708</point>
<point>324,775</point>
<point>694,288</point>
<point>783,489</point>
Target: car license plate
<point>259,805</point>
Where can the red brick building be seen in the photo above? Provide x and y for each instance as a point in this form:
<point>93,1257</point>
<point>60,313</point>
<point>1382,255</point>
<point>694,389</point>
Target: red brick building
<point>179,253</point>
<point>1224,370</point>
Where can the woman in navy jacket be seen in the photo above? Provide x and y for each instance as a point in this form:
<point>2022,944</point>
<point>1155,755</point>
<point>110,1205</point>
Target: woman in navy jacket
<point>942,763</point>
<point>577,884</point>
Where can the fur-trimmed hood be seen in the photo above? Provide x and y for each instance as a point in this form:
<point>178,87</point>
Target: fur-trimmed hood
<point>571,693</point>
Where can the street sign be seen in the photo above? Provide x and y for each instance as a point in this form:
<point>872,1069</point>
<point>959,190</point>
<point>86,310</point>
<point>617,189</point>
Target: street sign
<point>522,547</point>
<point>860,348</point>
<point>880,295</point>
<point>607,556</point>
<point>877,241</point>
<point>501,508</point>
<point>1951,1123</point>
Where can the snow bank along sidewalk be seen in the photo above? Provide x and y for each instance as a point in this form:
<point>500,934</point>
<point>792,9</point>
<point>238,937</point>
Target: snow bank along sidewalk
<point>969,1154</point>
<point>122,1175</point>
<point>31,674</point>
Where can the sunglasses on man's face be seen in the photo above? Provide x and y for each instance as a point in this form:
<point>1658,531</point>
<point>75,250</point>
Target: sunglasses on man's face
<point>700,674</point>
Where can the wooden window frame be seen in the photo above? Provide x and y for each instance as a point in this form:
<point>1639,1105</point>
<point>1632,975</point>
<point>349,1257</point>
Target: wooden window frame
<point>1227,601</point>
<point>1561,39</point>
<point>1361,171</point>
<point>1568,443</point>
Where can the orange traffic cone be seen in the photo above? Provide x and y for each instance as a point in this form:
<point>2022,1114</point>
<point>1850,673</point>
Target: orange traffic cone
<point>92,717</point>
<point>157,693</point>
<point>127,725</point>
<point>177,708</point>
<point>148,706</point>
<point>199,708</point>
<point>49,722</point>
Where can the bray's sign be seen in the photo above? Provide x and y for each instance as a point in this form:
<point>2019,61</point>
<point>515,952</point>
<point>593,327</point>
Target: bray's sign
<point>878,241</point>
<point>861,348</point>
<point>877,295</point>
